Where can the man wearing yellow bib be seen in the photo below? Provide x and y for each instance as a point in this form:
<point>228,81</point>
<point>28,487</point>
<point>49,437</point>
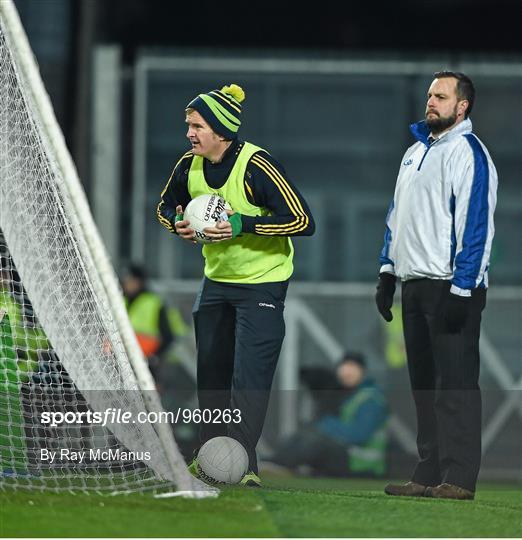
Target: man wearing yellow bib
<point>238,313</point>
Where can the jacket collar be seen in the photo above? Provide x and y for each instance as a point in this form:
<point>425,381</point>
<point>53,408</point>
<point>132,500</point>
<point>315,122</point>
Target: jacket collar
<point>227,157</point>
<point>421,131</point>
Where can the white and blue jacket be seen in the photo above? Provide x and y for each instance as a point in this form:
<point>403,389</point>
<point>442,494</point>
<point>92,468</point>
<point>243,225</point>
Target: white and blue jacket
<point>440,222</point>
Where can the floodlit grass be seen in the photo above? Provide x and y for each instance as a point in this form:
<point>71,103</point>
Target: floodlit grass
<point>286,507</point>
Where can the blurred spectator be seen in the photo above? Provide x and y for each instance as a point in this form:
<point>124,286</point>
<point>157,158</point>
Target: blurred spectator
<point>160,330</point>
<point>349,437</point>
<point>28,337</point>
<point>149,317</point>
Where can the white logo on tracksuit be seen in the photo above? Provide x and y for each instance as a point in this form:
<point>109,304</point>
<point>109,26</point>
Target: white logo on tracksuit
<point>263,304</point>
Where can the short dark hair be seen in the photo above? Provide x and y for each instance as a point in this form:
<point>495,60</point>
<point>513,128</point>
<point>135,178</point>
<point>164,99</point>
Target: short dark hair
<point>465,88</point>
<point>136,271</point>
<point>353,356</point>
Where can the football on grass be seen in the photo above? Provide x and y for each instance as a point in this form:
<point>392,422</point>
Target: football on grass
<point>223,460</point>
<point>205,211</point>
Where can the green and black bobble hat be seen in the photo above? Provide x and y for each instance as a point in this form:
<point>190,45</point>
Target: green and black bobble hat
<point>221,109</point>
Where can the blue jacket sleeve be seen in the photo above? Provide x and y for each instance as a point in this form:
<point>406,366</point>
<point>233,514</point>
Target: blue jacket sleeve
<point>474,188</point>
<point>385,253</point>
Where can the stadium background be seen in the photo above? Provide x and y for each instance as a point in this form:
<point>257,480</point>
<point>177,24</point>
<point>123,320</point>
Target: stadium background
<point>331,93</point>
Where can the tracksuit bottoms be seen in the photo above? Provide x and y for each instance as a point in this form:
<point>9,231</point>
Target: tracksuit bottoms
<point>239,334</point>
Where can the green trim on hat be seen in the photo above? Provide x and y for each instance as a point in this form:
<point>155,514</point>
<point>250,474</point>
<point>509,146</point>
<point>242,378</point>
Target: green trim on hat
<point>224,116</point>
<point>227,99</point>
<point>221,109</point>
<point>213,104</point>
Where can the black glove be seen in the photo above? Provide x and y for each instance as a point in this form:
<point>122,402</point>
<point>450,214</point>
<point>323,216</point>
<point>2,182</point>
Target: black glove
<point>384,295</point>
<point>456,312</point>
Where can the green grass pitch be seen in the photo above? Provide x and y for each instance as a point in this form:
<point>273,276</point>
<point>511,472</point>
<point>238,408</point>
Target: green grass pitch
<point>285,507</point>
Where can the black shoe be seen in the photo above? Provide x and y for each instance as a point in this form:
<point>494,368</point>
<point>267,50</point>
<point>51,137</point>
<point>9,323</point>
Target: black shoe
<point>409,489</point>
<point>450,491</point>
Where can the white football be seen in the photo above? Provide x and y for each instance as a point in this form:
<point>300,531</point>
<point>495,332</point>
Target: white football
<point>205,211</point>
<point>222,460</point>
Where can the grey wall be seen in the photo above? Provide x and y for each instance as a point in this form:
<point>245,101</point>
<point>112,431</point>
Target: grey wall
<point>340,129</point>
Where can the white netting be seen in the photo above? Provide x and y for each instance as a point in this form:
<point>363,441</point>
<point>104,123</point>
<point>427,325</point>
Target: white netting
<point>64,344</point>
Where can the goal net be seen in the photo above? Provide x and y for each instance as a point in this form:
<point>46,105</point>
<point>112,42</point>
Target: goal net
<point>70,366</point>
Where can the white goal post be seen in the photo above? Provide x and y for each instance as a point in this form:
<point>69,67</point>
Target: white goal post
<point>66,345</point>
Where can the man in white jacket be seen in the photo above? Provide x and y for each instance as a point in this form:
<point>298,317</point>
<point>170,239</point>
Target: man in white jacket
<point>438,238</point>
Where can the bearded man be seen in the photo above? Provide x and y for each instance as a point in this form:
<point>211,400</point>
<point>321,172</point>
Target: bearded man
<point>439,231</point>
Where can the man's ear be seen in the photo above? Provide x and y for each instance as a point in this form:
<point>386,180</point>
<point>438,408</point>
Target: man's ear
<point>463,106</point>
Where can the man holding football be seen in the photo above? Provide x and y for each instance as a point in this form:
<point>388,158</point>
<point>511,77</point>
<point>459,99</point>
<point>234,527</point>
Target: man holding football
<point>238,313</point>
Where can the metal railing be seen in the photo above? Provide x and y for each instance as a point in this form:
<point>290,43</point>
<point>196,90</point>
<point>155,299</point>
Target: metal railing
<point>322,320</point>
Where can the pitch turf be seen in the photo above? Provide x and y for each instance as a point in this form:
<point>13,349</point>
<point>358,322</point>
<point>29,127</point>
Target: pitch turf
<point>284,508</point>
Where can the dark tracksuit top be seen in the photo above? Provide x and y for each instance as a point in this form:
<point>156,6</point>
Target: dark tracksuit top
<point>262,187</point>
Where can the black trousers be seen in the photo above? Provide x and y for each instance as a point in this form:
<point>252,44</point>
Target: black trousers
<point>239,334</point>
<point>444,371</point>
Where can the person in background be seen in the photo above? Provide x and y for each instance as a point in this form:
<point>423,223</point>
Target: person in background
<point>149,317</point>
<point>349,440</point>
<point>28,337</point>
